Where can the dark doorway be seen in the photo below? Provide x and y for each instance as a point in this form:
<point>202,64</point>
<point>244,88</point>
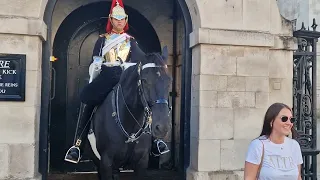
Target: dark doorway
<point>73,47</point>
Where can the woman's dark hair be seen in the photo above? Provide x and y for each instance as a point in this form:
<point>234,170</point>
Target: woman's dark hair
<point>269,117</point>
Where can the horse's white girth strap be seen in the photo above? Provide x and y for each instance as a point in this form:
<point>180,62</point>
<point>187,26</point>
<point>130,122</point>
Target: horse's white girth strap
<point>127,65</point>
<point>93,143</point>
<point>150,65</point>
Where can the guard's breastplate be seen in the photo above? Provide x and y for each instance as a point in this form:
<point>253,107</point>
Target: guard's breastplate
<point>121,49</point>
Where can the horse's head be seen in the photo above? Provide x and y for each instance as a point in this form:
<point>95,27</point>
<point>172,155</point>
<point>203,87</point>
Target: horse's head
<point>155,84</point>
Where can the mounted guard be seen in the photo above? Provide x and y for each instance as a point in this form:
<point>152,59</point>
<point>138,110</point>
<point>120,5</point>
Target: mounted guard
<point>110,50</point>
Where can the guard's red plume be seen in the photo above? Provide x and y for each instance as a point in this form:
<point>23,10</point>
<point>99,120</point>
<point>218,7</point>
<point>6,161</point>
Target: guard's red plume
<point>109,25</point>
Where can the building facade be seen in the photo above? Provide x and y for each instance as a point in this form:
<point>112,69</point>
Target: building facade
<point>241,63</point>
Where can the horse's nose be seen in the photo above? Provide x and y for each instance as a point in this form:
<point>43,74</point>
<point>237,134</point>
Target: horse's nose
<point>161,130</point>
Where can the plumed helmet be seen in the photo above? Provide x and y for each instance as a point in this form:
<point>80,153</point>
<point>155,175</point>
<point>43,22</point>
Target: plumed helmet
<point>117,11</point>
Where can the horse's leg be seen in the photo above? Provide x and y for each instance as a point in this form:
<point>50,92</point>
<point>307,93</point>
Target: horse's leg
<point>98,171</point>
<point>116,174</point>
<point>93,157</point>
<point>142,165</point>
<point>99,175</point>
<point>105,167</point>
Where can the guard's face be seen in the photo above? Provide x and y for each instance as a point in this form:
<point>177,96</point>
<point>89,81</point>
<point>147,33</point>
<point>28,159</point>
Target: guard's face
<point>118,25</point>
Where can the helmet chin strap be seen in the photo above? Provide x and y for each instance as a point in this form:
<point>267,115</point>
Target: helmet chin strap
<point>114,30</point>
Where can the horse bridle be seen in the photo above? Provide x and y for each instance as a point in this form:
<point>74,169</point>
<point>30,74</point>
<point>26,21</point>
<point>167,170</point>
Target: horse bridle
<point>147,122</point>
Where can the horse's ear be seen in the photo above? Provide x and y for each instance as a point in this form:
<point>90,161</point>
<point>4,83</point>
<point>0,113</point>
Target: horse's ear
<point>165,53</point>
<point>136,53</point>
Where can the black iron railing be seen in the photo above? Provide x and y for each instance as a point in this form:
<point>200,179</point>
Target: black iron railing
<point>305,97</point>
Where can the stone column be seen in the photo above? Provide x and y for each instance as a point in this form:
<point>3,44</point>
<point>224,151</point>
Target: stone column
<point>22,31</point>
<point>242,63</point>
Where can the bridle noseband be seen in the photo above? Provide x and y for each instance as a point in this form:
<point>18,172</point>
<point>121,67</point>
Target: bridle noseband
<point>145,128</point>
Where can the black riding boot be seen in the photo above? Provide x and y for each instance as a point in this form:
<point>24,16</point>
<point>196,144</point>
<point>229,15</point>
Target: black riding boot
<point>73,155</point>
<point>159,147</point>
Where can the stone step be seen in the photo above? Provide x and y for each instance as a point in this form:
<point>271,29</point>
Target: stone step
<point>150,175</point>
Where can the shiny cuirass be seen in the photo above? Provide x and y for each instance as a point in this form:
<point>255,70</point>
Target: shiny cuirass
<point>121,49</point>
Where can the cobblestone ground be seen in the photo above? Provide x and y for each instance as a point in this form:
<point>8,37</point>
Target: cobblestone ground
<point>153,175</point>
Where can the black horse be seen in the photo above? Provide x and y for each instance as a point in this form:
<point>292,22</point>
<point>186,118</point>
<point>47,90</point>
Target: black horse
<point>136,110</point>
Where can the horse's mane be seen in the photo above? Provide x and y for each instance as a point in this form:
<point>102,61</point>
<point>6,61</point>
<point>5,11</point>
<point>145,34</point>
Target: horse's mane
<point>128,74</point>
<point>156,58</point>
<point>129,77</point>
<point>137,56</point>
<point>153,57</point>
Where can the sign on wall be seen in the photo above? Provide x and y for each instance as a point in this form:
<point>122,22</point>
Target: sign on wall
<point>12,77</point>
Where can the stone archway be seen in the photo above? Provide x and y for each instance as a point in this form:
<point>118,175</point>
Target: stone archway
<point>73,45</point>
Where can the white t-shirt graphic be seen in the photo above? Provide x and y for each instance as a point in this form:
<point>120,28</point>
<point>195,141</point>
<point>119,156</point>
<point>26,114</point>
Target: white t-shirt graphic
<point>280,161</point>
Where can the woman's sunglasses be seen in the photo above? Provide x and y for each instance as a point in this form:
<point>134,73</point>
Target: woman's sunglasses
<point>285,119</point>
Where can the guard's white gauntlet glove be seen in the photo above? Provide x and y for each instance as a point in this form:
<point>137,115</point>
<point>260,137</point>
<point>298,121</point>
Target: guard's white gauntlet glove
<point>95,67</point>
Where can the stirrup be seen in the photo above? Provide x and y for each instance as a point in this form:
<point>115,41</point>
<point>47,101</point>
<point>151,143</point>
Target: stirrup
<point>68,160</point>
<point>161,152</point>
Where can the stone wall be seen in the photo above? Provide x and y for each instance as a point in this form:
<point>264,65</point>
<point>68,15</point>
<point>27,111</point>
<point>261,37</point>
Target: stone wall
<point>242,63</point>
<point>21,32</point>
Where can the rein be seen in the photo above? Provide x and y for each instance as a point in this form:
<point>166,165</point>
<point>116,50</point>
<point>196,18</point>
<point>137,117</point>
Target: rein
<point>145,128</point>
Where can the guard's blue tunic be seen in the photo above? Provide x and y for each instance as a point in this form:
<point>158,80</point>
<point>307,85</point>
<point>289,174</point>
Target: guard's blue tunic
<point>95,92</point>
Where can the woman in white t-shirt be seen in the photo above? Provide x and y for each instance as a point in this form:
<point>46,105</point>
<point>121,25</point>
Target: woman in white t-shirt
<point>274,156</point>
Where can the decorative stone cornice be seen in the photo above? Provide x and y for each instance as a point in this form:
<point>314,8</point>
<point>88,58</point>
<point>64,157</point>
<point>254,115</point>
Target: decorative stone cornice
<point>241,38</point>
<point>230,37</point>
<point>23,26</point>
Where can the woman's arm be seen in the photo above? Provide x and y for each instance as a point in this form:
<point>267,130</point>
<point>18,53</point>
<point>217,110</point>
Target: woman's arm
<point>299,169</point>
<point>253,160</point>
<point>298,157</point>
<point>250,171</point>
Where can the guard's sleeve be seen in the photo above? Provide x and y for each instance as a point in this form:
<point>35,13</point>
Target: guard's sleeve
<point>135,52</point>
<point>254,153</point>
<point>133,40</point>
<point>95,65</point>
<point>97,50</point>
